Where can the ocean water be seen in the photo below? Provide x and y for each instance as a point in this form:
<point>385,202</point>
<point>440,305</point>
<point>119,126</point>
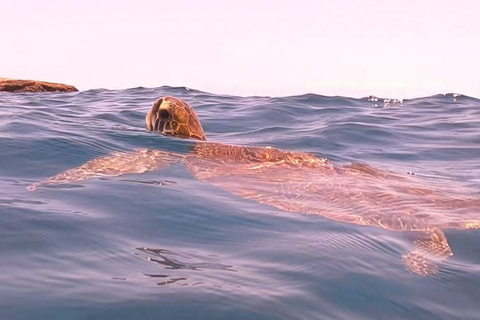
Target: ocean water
<point>163,245</point>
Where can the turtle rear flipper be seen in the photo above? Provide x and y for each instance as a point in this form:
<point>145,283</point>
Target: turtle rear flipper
<point>430,248</point>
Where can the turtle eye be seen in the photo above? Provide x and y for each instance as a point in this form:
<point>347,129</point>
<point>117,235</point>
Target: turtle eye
<point>164,114</point>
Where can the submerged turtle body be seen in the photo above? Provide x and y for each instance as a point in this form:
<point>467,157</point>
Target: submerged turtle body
<point>360,194</point>
<point>301,182</point>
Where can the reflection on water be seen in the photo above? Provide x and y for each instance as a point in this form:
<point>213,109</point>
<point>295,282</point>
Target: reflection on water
<point>169,260</point>
<point>152,182</point>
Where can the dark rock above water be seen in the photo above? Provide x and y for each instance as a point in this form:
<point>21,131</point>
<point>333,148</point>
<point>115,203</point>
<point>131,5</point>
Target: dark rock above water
<point>14,85</point>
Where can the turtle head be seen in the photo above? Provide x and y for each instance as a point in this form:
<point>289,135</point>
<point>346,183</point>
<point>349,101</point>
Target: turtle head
<point>172,116</point>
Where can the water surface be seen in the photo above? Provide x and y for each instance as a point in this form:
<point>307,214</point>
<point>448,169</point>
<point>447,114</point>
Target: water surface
<point>184,249</point>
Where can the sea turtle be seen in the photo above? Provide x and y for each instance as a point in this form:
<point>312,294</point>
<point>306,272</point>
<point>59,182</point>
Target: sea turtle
<point>300,182</point>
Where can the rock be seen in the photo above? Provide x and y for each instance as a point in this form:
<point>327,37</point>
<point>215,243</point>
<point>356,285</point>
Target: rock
<point>14,85</point>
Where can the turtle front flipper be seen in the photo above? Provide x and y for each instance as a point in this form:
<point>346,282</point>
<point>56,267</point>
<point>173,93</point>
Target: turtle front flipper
<point>115,164</point>
<point>430,248</point>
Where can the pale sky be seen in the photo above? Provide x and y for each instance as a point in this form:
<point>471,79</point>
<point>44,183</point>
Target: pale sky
<point>394,49</point>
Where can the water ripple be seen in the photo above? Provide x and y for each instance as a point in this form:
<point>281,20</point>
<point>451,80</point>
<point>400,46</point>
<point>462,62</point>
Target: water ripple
<point>167,243</point>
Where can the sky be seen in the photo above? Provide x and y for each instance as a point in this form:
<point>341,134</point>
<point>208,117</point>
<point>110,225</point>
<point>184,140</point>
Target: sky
<point>388,48</point>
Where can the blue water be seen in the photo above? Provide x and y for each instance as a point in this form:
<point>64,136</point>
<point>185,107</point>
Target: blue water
<point>118,249</point>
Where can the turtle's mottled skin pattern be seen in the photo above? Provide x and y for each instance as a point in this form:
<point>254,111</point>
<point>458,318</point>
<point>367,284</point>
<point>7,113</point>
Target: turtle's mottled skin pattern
<point>302,182</point>
<point>175,117</point>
